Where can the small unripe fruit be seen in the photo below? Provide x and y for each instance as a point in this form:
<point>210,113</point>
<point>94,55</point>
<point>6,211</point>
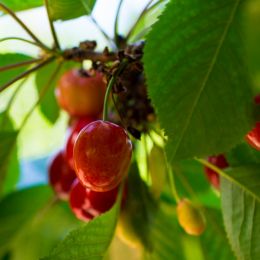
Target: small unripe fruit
<point>61,176</point>
<point>102,154</point>
<point>190,218</point>
<point>81,94</point>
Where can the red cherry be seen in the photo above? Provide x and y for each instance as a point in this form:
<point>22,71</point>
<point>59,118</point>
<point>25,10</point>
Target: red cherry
<point>220,162</point>
<point>253,137</point>
<point>102,154</point>
<point>80,94</point>
<point>87,204</point>
<point>74,131</point>
<point>61,176</point>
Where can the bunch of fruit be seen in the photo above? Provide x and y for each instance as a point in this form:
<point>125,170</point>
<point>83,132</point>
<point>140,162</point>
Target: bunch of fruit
<point>97,154</point>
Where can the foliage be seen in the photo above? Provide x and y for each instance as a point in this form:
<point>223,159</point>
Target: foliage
<point>201,62</point>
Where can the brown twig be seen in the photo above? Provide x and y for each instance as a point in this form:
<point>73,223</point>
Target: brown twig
<point>79,55</point>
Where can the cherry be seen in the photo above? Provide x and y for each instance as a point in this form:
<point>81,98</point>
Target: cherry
<point>61,176</point>
<point>81,94</point>
<point>102,154</point>
<point>77,125</point>
<point>253,137</point>
<point>87,204</point>
<point>220,162</point>
<point>190,218</point>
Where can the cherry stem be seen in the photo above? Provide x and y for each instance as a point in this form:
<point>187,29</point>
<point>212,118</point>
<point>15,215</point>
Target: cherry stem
<point>54,34</point>
<point>20,64</point>
<point>20,22</point>
<point>111,83</point>
<point>172,183</point>
<point>24,74</point>
<point>42,94</point>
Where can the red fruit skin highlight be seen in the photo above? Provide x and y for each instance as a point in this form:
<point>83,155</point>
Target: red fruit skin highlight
<point>102,155</point>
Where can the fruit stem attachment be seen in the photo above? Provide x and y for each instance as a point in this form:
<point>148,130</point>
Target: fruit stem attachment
<point>111,83</point>
<point>172,184</point>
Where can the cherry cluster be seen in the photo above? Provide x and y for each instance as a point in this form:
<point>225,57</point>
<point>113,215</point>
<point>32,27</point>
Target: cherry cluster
<point>97,153</point>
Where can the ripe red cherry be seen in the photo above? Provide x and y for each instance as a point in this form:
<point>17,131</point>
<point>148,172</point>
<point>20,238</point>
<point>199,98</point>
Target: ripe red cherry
<point>80,94</point>
<point>220,162</point>
<point>253,137</point>
<point>102,154</point>
<point>87,204</point>
<point>61,176</point>
<point>74,131</point>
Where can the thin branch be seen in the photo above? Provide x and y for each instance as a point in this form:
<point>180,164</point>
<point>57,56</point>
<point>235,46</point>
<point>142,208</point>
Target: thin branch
<point>79,55</point>
<point>117,19</point>
<point>24,74</point>
<point>19,64</point>
<point>21,23</point>
<point>20,39</point>
<point>42,94</point>
<point>54,34</point>
<point>88,11</point>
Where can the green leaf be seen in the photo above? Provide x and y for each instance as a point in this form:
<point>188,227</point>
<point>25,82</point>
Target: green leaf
<point>139,210</point>
<point>214,241</point>
<point>9,169</point>
<point>69,9</point>
<point>166,238</point>
<point>59,9</point>
<point>247,178</point>
<point>17,209</point>
<point>7,151</point>
<point>8,59</point>
<point>197,76</point>
<point>48,105</point>
<point>18,5</point>
<point>89,241</point>
<point>243,154</point>
<point>253,35</point>
<point>241,213</point>
<point>41,234</point>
